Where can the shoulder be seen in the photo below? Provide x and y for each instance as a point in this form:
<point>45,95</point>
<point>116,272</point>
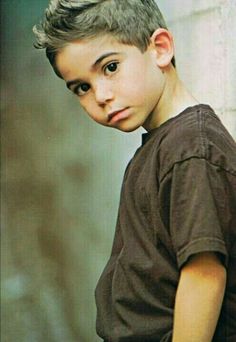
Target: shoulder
<point>195,133</point>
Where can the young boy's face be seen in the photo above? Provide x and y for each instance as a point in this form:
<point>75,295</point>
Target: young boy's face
<point>117,84</point>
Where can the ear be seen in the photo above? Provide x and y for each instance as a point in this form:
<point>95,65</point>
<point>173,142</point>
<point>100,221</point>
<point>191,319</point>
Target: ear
<point>162,43</point>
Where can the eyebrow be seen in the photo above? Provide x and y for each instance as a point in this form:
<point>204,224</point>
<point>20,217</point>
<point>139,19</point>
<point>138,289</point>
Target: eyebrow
<point>102,57</point>
<point>95,64</point>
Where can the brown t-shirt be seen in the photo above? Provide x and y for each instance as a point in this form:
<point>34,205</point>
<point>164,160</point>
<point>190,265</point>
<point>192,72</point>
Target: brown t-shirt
<point>178,198</point>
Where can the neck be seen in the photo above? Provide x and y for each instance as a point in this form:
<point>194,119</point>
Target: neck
<point>174,99</point>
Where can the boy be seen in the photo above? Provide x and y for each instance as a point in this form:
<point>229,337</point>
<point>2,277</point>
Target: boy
<point>176,227</point>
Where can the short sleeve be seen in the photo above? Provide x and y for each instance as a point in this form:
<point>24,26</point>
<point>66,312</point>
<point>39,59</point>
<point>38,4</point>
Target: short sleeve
<point>199,211</point>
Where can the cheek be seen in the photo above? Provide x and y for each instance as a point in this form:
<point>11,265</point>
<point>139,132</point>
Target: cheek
<point>139,83</point>
<point>136,91</point>
<point>92,109</point>
<point>131,86</point>
<point>88,105</point>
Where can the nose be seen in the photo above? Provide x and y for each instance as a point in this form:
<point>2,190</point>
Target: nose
<point>103,92</point>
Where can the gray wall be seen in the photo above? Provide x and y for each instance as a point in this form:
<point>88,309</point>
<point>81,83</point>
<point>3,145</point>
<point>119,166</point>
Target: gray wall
<point>205,42</point>
<point>61,172</point>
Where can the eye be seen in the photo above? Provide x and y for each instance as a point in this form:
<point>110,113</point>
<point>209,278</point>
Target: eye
<point>111,68</point>
<point>81,89</point>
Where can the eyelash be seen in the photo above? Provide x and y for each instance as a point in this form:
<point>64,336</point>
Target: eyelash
<point>106,72</point>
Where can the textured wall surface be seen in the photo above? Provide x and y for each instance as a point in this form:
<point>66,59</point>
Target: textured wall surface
<point>61,173</point>
<point>204,34</point>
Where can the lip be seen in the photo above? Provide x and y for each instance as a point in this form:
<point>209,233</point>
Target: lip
<point>118,115</point>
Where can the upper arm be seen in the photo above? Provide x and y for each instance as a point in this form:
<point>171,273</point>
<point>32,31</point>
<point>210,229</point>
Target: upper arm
<point>206,271</point>
<point>199,298</point>
<point>199,211</point>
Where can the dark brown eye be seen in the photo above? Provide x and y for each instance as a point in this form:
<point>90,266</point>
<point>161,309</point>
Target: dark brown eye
<point>82,89</point>
<point>112,67</point>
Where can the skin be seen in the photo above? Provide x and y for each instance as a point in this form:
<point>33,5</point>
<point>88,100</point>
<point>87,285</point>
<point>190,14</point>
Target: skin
<point>199,298</point>
<point>121,87</point>
<point>144,84</point>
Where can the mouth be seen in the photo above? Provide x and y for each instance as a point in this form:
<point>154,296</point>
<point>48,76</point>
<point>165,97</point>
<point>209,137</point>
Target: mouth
<point>118,115</point>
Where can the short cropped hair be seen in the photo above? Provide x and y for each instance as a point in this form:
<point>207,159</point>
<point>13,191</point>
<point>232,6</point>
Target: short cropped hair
<point>131,22</point>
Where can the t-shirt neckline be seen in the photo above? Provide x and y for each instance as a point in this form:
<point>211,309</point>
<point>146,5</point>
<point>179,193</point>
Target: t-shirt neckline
<point>147,135</point>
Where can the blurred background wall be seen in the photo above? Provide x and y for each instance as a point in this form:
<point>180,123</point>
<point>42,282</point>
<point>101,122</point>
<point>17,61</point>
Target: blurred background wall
<point>61,172</point>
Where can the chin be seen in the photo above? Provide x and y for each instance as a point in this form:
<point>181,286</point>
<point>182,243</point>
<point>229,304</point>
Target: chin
<point>127,128</point>
<point>128,125</point>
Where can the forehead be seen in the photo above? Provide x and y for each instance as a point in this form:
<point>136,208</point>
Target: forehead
<point>84,53</point>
